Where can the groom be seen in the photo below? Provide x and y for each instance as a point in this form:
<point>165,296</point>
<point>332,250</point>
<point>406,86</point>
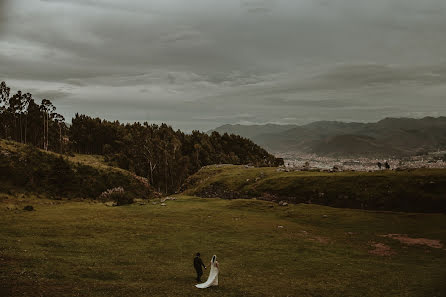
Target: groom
<point>197,264</point>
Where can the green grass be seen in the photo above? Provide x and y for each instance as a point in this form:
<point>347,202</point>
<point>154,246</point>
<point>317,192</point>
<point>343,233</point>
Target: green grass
<point>96,161</point>
<point>26,169</point>
<point>87,249</point>
<point>419,190</point>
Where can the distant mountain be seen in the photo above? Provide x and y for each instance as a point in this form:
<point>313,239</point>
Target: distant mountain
<point>388,137</point>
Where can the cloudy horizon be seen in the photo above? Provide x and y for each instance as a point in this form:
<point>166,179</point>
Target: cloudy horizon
<point>199,64</point>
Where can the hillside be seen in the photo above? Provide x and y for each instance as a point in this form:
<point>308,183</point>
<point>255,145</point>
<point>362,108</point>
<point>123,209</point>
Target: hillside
<point>420,190</point>
<point>388,137</point>
<point>26,169</point>
<point>159,153</point>
<point>85,249</point>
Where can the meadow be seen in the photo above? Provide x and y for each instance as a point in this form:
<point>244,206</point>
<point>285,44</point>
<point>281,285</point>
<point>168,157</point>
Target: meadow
<point>83,248</point>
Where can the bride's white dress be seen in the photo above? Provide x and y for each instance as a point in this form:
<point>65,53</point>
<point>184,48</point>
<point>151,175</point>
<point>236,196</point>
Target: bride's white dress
<point>213,275</point>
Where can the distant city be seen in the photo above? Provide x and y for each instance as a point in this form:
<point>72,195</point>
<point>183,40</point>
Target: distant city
<point>300,161</point>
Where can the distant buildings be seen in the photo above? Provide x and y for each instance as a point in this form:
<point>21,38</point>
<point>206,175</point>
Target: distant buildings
<point>300,161</point>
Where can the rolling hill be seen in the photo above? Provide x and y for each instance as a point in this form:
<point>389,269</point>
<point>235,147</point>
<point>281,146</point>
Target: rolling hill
<point>413,190</point>
<point>25,169</point>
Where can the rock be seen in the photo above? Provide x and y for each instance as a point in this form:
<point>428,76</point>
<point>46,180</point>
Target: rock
<point>140,201</point>
<point>163,204</point>
<point>167,198</point>
<point>110,203</point>
<point>284,203</point>
<point>325,216</point>
<point>280,226</point>
<point>28,208</point>
<point>154,203</point>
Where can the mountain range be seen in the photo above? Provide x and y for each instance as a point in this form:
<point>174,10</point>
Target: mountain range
<point>388,137</point>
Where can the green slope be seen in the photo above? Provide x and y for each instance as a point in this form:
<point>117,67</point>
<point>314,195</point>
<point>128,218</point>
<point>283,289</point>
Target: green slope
<point>420,190</point>
<point>26,169</point>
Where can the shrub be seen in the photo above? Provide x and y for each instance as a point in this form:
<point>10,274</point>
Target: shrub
<point>118,195</point>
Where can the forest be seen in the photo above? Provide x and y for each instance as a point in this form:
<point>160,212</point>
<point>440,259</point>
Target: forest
<point>166,157</point>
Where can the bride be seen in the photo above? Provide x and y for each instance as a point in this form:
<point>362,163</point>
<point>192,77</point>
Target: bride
<point>213,275</point>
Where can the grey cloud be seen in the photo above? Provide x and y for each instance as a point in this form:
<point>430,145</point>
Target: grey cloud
<point>326,103</point>
<point>373,74</point>
<point>55,95</point>
<point>3,14</point>
<point>202,63</point>
<point>258,6</point>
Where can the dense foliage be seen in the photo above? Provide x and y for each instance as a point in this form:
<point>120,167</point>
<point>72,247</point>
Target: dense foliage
<point>164,156</point>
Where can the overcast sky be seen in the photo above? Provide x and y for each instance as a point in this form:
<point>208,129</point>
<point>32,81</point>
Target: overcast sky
<point>197,64</point>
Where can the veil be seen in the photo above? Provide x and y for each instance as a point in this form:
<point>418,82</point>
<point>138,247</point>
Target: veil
<point>213,275</point>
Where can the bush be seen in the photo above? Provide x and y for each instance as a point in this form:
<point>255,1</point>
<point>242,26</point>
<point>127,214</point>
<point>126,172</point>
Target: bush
<point>118,195</point>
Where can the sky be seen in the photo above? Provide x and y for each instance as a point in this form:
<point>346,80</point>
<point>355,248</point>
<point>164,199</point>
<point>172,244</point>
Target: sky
<point>198,64</point>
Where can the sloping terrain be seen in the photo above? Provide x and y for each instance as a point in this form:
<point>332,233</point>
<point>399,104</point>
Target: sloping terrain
<point>420,190</point>
<point>388,137</point>
<point>26,169</point>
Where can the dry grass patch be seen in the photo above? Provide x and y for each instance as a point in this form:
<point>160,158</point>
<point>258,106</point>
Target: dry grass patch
<point>433,243</point>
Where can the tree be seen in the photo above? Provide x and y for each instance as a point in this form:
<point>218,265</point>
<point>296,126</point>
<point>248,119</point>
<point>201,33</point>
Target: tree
<point>60,121</point>
<point>4,109</point>
<point>47,109</point>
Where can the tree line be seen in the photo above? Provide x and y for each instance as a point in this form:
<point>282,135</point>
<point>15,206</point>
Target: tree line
<point>164,156</point>
<point>24,120</point>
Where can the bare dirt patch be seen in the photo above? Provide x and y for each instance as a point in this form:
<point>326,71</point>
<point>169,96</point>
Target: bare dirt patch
<point>320,239</point>
<point>433,243</point>
<point>381,249</point>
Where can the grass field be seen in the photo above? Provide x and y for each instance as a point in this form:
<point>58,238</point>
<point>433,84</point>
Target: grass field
<point>86,249</point>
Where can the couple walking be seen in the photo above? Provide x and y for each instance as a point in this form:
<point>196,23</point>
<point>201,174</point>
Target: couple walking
<point>213,274</point>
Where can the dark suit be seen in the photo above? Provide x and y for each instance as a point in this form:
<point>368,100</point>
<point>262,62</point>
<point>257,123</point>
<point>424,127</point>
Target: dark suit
<point>198,263</point>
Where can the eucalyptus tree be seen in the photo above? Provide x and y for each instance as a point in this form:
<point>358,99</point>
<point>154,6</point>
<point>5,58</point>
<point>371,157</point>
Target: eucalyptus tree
<point>4,109</point>
<point>47,108</point>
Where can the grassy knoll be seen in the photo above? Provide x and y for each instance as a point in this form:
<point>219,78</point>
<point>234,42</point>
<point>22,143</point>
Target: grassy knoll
<point>25,169</point>
<point>419,190</point>
<point>86,249</point>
